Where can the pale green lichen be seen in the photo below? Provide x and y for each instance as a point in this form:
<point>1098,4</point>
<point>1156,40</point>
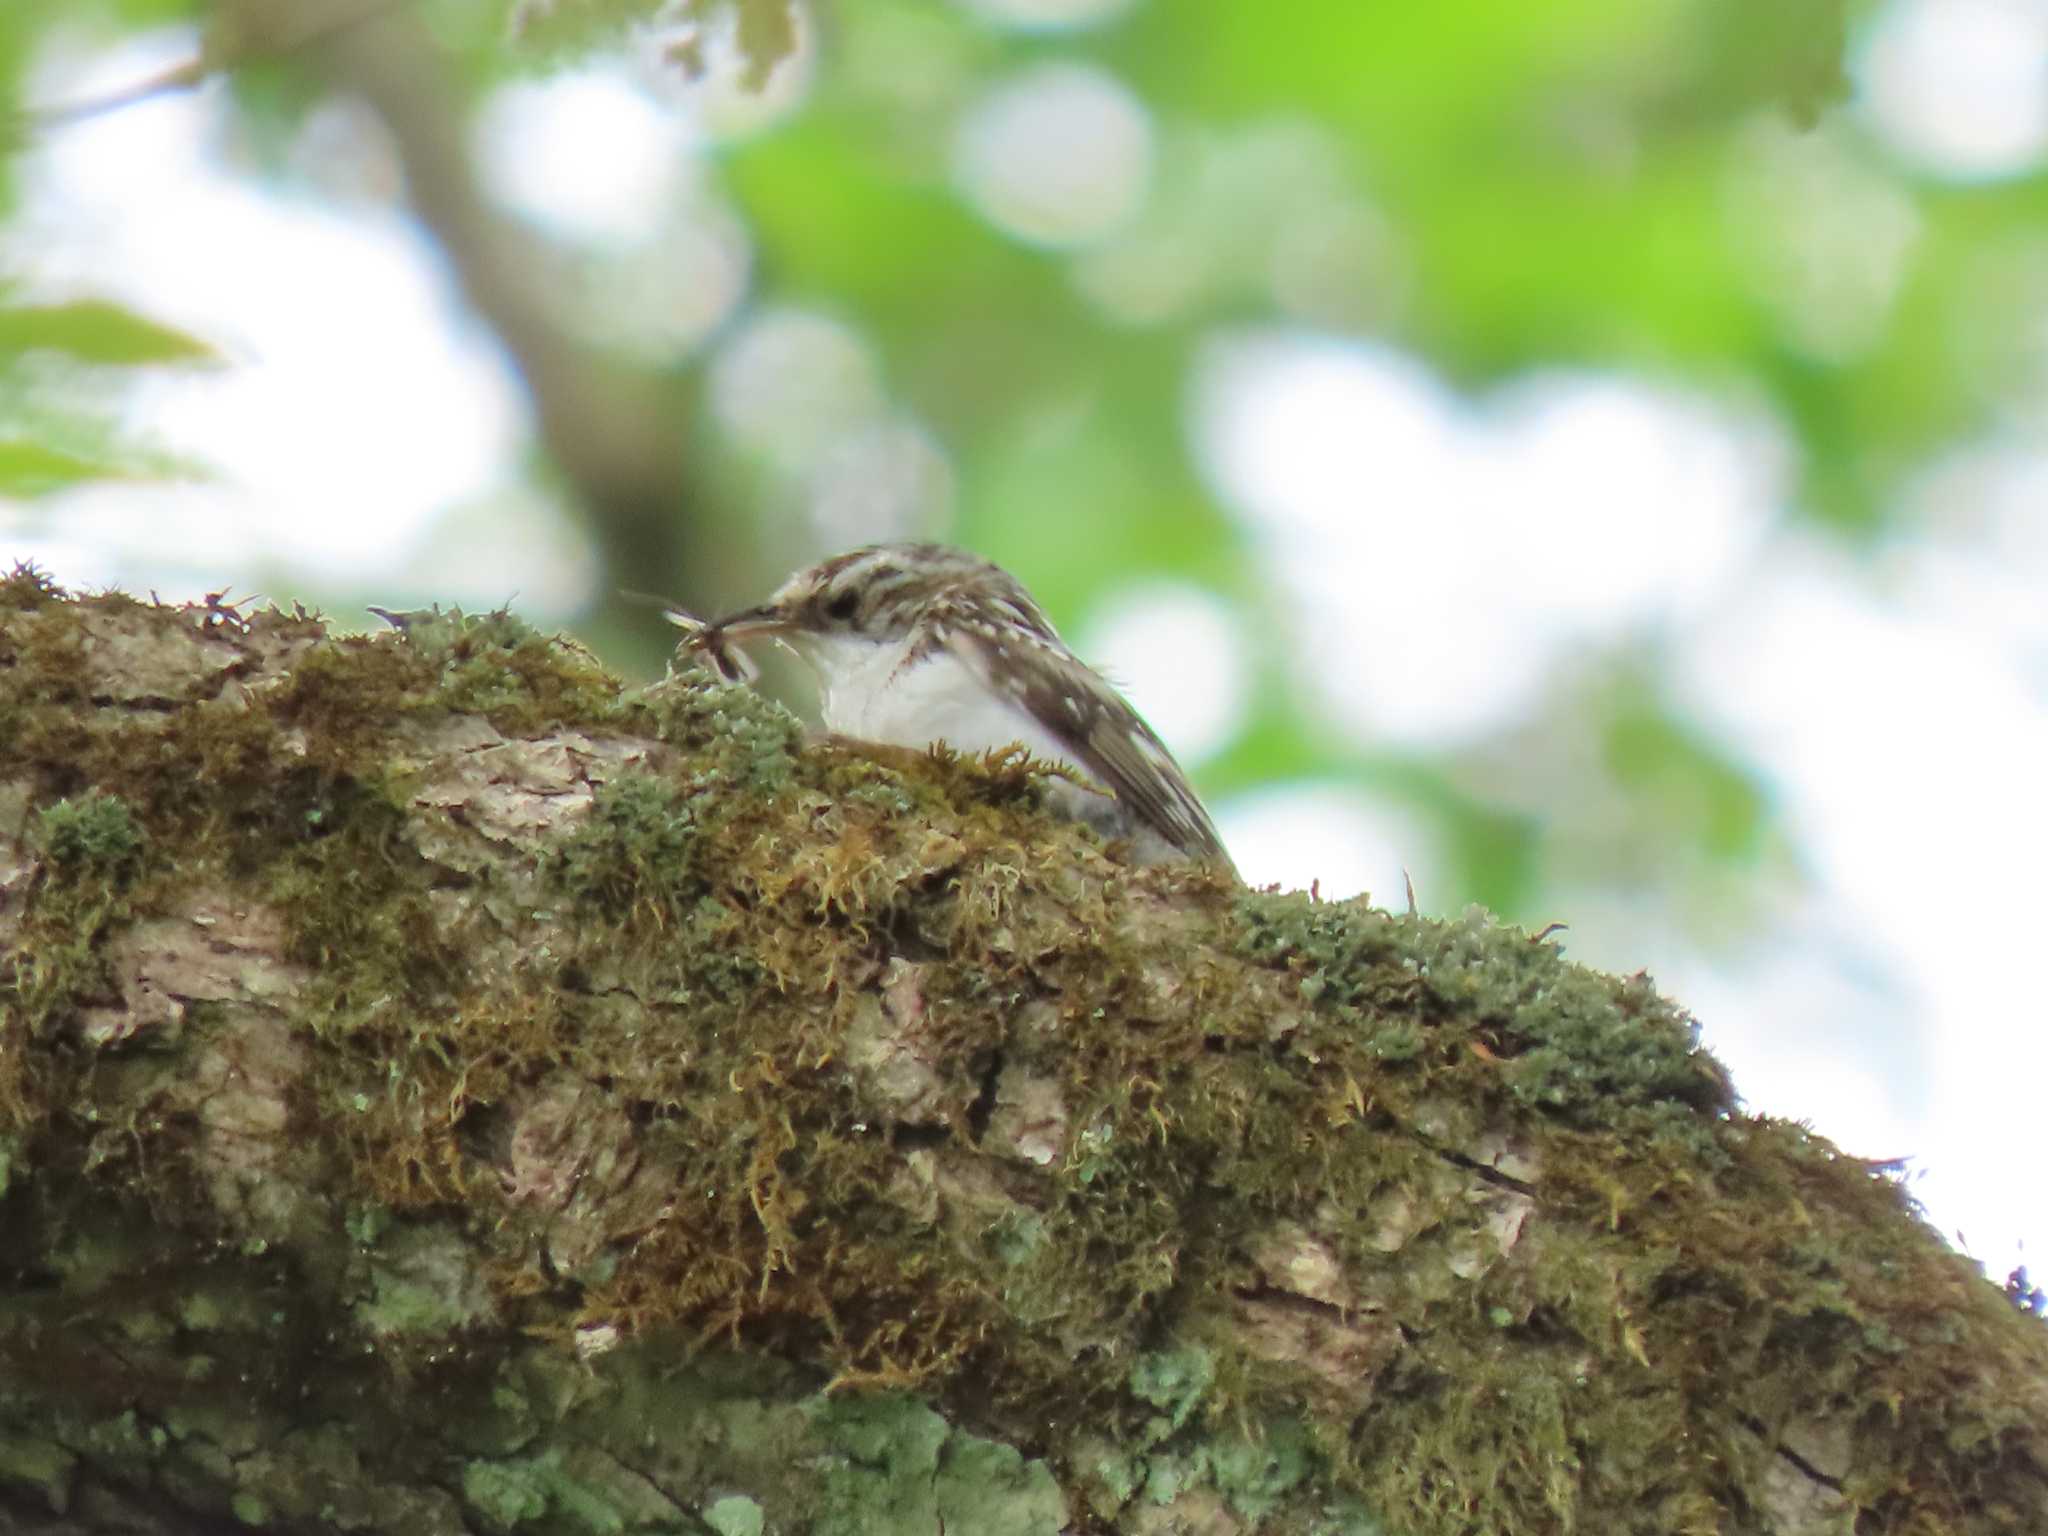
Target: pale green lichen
<point>43,1465</point>
<point>250,1509</point>
<point>422,1282</point>
<point>991,1488</point>
<point>1175,1381</point>
<point>505,1494</point>
<point>1257,1472</point>
<point>880,1481</point>
<point>734,1515</point>
<point>902,1468</point>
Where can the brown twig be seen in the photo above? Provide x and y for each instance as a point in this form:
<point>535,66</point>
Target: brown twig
<point>224,48</point>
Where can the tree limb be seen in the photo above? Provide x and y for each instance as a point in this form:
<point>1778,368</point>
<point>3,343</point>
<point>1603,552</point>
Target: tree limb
<point>440,1090</point>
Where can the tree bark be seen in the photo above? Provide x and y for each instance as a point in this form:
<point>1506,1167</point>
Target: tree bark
<point>441,1090</point>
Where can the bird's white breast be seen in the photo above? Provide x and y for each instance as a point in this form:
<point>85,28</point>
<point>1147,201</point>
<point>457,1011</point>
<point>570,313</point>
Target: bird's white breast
<point>870,693</point>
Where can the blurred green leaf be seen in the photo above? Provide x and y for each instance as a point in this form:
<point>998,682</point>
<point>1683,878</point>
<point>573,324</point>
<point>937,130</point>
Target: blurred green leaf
<point>836,213</point>
<point>1699,794</point>
<point>33,469</point>
<point>1785,52</point>
<point>766,34</point>
<point>555,31</point>
<point>95,331</point>
<point>152,13</point>
<point>764,31</point>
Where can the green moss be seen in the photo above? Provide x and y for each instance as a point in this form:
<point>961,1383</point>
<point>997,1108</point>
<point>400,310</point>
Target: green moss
<point>440,637</point>
<point>343,692</point>
<point>1577,1041</point>
<point>343,695</point>
<point>1480,1442</point>
<point>721,923</point>
<point>92,852</point>
<point>1419,992</point>
<point>1343,1516</point>
<point>753,735</point>
<point>44,710</point>
<point>60,964</point>
<point>353,893</point>
<point>367,1224</point>
<point>526,683</point>
<point>217,768</point>
<point>631,859</point>
<point>92,838</point>
<point>27,587</point>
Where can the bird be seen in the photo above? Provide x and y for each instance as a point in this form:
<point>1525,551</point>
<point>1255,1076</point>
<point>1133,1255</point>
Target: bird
<point>916,644</point>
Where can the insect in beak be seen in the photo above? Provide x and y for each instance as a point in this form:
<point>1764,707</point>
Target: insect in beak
<point>709,640</point>
<point>713,641</point>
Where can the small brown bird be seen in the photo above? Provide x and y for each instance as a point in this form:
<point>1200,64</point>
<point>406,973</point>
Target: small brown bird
<point>920,643</point>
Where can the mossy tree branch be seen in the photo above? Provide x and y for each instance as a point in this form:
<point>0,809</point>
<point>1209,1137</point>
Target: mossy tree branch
<point>442,1090</point>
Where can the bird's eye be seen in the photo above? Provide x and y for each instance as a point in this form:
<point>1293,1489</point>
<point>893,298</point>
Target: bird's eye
<point>842,607</point>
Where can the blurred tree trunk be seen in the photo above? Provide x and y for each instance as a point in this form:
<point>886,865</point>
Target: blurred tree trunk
<point>440,1091</point>
<point>615,428</point>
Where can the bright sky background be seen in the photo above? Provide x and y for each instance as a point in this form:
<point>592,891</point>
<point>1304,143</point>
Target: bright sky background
<point>1452,556</point>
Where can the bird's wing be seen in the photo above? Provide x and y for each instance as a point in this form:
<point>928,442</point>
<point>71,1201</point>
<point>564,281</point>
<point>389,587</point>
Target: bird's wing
<point>1108,737</point>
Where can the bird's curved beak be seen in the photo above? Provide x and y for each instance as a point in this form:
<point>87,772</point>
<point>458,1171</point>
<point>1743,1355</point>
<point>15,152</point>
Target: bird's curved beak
<point>764,620</point>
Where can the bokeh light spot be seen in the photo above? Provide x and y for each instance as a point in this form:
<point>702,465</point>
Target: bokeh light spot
<point>1047,15</point>
<point>792,381</point>
<point>1266,212</point>
<point>1328,836</point>
<point>703,71</point>
<point>1960,86</point>
<point>885,480</point>
<point>1827,237</point>
<point>136,206</point>
<point>1059,155</point>
<point>1440,558</point>
<point>585,153</point>
<point>1179,656</point>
